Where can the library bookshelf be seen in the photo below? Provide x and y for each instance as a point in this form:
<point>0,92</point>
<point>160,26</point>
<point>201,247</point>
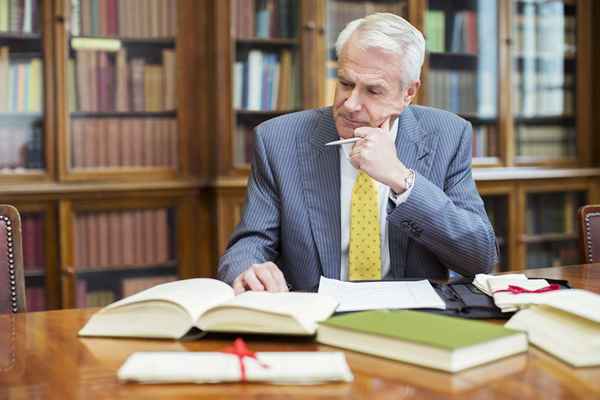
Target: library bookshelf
<point>100,149</point>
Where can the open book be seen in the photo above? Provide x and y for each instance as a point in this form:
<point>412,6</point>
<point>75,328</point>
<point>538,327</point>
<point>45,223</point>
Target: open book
<point>170,310</point>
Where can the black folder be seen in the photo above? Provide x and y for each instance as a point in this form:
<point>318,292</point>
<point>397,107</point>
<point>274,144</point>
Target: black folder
<point>464,300</point>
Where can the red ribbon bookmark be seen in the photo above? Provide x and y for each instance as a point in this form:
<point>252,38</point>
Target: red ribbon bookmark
<point>514,289</point>
<point>240,350</point>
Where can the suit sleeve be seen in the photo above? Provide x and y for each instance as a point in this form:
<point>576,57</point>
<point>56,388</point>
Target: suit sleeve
<point>450,222</point>
<point>256,238</point>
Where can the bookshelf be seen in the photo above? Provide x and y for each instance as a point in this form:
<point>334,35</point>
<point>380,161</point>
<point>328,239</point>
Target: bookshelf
<point>99,128</point>
<point>22,55</point>
<point>462,68</point>
<point>545,55</point>
<point>120,61</point>
<point>266,72</point>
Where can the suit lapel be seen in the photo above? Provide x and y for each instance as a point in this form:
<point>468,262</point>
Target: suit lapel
<point>413,145</point>
<point>414,148</point>
<point>321,182</point>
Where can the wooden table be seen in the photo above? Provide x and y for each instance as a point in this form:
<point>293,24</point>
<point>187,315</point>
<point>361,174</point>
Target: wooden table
<point>42,357</point>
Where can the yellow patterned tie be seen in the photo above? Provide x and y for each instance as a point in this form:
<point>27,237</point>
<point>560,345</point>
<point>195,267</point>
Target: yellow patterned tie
<point>364,259</point>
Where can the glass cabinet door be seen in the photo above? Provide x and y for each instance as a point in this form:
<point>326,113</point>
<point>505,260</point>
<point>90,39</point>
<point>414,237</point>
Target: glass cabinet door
<point>121,78</point>
<point>543,63</point>
<point>551,231</point>
<point>21,87</point>
<point>462,68</point>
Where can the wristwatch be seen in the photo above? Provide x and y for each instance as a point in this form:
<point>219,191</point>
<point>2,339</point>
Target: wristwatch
<point>409,181</point>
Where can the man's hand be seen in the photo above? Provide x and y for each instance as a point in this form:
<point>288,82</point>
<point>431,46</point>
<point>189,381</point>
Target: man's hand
<point>261,277</point>
<point>376,155</point>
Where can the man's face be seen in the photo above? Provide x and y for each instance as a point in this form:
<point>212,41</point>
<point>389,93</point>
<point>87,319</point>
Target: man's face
<point>368,90</point>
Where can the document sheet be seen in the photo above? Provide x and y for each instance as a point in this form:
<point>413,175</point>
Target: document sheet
<point>355,296</point>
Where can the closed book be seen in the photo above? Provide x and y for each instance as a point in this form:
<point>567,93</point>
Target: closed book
<point>565,323</point>
<point>170,310</point>
<point>434,341</point>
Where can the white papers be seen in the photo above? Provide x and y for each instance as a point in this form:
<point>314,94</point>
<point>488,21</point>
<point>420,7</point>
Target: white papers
<point>354,296</point>
<point>212,367</point>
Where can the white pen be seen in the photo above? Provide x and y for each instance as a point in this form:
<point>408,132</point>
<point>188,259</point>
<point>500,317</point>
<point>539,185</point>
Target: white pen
<point>343,141</point>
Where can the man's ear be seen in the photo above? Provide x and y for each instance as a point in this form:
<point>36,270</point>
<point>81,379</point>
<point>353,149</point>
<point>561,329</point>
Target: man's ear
<point>411,92</point>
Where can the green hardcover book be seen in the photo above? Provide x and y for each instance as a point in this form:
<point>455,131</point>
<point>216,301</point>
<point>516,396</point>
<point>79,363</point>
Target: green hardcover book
<point>434,341</point>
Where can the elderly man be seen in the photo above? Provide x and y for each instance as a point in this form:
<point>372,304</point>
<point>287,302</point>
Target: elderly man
<point>398,202</point>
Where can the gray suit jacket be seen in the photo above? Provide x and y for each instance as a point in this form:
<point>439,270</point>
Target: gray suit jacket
<point>292,213</point>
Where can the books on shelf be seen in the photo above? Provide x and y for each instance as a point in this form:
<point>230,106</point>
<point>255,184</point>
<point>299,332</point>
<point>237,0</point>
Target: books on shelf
<point>20,16</point>
<point>430,340</point>
<point>552,254</point>
<point>21,88</point>
<point>170,310</point>
<point>116,239</point>
<point>33,242</point>
<point>544,29</point>
<point>124,18</point>
<point>552,212</point>
<point>566,324</point>
<point>244,144</point>
<point>463,29</point>
<point>484,141</point>
<point>266,81</point>
<point>124,142</point>
<point>264,19</point>
<point>435,30</point>
<point>113,82</point>
<point>546,141</point>
<point>542,87</point>
<point>453,90</point>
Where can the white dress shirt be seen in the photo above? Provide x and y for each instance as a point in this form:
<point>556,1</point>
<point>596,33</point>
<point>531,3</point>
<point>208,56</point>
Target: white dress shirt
<point>348,176</point>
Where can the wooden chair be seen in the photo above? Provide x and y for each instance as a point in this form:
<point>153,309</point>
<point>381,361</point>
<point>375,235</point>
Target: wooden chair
<point>589,222</point>
<point>12,280</point>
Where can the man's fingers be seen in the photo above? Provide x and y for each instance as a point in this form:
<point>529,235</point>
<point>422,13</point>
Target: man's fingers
<point>238,286</point>
<point>265,276</point>
<point>279,278</point>
<point>260,277</point>
<point>252,282</point>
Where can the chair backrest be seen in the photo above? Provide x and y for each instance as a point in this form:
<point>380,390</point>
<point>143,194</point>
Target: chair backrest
<point>589,222</point>
<point>12,280</point>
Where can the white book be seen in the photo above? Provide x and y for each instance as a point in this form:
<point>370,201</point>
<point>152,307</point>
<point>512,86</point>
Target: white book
<point>238,87</point>
<point>170,310</point>
<point>27,13</point>
<point>565,323</point>
<point>212,367</point>
<point>255,81</point>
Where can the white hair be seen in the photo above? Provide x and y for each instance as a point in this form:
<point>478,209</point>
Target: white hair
<point>388,32</point>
